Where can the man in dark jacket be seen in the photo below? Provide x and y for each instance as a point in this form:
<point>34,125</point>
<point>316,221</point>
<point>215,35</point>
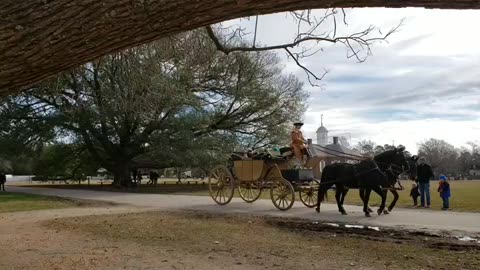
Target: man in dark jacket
<point>424,174</point>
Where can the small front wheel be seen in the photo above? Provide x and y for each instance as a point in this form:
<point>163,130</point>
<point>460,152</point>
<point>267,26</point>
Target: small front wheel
<point>282,194</point>
<point>309,194</point>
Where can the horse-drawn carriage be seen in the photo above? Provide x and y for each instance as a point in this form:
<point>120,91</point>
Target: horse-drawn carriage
<point>250,175</point>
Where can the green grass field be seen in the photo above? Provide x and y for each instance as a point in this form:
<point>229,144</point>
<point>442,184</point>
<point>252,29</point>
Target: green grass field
<point>465,194</point>
<point>12,202</point>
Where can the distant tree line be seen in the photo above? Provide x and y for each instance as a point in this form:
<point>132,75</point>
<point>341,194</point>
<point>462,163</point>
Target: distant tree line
<point>442,156</point>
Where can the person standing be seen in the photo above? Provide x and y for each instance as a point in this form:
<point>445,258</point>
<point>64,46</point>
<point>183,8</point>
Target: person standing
<point>298,142</point>
<point>424,174</point>
<point>444,189</point>
<point>3,180</point>
<point>414,194</point>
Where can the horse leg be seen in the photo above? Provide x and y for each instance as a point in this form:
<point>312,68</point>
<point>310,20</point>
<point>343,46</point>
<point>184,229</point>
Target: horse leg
<point>344,194</point>
<point>365,198</point>
<point>338,196</point>
<point>322,190</point>
<point>369,209</point>
<point>320,194</point>
<point>382,194</point>
<point>385,211</point>
<point>395,199</point>
<point>362,194</point>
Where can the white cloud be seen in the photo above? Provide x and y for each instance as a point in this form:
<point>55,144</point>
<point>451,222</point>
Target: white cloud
<point>422,83</point>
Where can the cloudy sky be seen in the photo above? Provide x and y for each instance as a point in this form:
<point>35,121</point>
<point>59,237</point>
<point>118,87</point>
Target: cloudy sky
<point>423,83</point>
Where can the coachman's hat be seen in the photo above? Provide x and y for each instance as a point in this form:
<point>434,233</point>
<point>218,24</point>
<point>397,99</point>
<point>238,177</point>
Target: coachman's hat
<point>298,124</point>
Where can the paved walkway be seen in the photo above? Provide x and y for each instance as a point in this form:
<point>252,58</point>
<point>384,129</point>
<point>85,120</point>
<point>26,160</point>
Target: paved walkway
<point>418,219</point>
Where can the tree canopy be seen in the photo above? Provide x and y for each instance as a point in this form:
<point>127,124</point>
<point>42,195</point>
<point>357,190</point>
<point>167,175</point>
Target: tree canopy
<point>40,38</point>
<point>168,101</point>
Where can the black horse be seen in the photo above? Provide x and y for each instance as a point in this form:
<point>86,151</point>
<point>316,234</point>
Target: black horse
<point>392,163</point>
<point>365,175</point>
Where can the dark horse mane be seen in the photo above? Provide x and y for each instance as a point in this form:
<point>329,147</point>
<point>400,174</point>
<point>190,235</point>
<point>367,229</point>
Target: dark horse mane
<point>386,156</point>
<point>395,157</point>
<point>392,156</point>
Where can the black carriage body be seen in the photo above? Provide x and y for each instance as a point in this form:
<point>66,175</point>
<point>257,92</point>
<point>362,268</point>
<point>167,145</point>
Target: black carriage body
<point>298,175</point>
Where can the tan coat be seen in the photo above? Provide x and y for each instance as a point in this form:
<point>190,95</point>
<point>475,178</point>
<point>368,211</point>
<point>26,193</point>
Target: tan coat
<point>298,144</point>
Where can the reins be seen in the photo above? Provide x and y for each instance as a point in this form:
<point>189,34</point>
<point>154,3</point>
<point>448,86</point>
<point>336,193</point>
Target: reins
<point>395,173</point>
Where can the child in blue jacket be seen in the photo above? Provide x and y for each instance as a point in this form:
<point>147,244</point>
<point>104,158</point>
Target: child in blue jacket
<point>444,189</point>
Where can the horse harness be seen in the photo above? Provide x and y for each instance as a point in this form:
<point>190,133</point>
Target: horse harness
<point>395,173</point>
<point>356,173</point>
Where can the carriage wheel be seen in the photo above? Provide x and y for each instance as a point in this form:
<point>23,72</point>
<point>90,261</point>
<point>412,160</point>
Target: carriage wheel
<point>309,194</point>
<point>221,185</point>
<point>282,194</point>
<point>249,191</point>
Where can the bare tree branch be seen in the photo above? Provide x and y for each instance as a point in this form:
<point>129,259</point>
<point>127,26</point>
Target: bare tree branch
<point>309,73</point>
<point>358,44</point>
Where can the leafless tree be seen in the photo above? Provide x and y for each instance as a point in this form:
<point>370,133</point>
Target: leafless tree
<point>309,37</point>
<point>441,155</point>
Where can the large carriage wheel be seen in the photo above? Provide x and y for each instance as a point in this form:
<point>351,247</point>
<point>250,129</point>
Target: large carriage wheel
<point>309,194</point>
<point>221,185</point>
<point>249,191</point>
<point>282,194</point>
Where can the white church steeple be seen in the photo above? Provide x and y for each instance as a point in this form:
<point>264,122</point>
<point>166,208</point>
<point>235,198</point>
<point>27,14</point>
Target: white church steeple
<point>322,134</point>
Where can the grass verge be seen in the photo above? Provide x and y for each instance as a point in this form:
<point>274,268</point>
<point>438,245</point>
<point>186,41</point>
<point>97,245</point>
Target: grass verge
<point>13,202</point>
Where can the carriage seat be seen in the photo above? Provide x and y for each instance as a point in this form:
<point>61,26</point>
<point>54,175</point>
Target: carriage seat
<point>247,155</point>
<point>237,156</point>
<point>288,151</point>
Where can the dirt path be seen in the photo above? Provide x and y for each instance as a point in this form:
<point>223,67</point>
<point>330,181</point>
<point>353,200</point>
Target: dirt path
<point>26,243</point>
<point>125,237</point>
<point>416,219</point>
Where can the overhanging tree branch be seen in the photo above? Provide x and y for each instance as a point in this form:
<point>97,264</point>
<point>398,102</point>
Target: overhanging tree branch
<point>73,32</point>
<point>355,42</point>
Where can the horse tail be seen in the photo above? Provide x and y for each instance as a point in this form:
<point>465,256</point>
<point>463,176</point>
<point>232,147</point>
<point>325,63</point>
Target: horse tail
<point>324,187</point>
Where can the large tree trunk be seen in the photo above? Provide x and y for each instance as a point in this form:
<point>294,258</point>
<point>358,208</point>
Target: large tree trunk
<point>121,175</point>
<point>39,38</point>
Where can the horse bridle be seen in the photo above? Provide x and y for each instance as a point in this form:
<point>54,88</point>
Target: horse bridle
<point>395,173</point>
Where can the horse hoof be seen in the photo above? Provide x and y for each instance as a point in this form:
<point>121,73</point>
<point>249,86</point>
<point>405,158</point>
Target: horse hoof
<point>379,212</point>
<point>370,210</point>
<point>317,210</point>
<point>344,213</point>
<point>386,212</point>
<point>367,214</point>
